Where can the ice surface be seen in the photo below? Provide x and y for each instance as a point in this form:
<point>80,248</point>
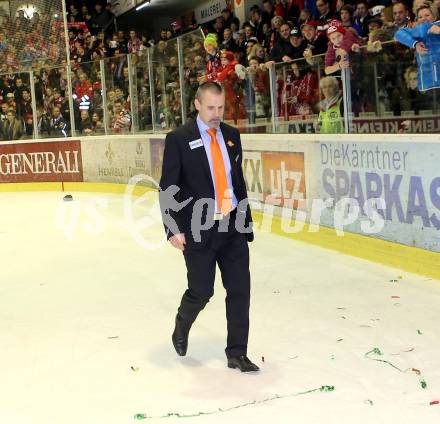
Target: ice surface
<point>86,294</point>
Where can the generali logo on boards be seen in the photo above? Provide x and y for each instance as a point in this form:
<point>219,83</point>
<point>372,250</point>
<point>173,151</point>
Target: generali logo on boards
<point>41,162</point>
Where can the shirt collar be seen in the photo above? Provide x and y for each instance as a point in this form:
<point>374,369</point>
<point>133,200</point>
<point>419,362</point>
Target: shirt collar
<point>203,128</point>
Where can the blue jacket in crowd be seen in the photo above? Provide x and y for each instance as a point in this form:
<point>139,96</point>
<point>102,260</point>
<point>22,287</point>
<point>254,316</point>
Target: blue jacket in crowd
<point>428,75</point>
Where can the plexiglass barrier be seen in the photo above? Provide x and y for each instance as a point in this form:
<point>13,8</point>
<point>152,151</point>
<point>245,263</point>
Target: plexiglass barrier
<point>153,91</point>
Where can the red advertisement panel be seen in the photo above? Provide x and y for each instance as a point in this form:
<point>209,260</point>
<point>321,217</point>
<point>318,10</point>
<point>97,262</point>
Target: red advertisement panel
<point>41,162</point>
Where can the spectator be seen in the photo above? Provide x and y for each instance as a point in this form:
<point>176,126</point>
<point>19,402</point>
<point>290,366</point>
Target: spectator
<point>330,119</point>
<point>134,44</point>
<point>259,53</point>
<point>24,105</point>
<point>248,34</point>
<point>235,29</point>
<point>408,97</point>
<point>277,21</point>
<point>283,48</point>
<point>58,125</point>
<point>316,43</point>
<point>298,43</point>
<point>97,124</point>
<point>12,127</point>
<point>103,17</point>
<point>304,17</point>
<point>83,88</point>
<point>301,90</point>
<point>234,105</point>
<point>426,12</point>
<point>325,16</point>
<point>426,40</point>
<point>401,18</point>
<point>346,14</point>
<point>268,11</point>
<point>213,64</point>
<point>362,18</point>
<point>257,24</point>
<point>228,41</point>
<point>121,121</point>
<point>374,24</point>
<point>10,98</point>
<point>228,17</point>
<point>257,91</point>
<point>4,111</point>
<point>218,28</point>
<point>85,124</point>
<point>340,45</point>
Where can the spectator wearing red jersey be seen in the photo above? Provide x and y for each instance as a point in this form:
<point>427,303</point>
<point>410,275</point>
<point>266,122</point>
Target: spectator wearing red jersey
<point>134,44</point>
<point>83,88</point>
<point>234,105</point>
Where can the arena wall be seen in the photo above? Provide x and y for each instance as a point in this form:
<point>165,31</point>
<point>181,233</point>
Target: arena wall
<point>308,187</point>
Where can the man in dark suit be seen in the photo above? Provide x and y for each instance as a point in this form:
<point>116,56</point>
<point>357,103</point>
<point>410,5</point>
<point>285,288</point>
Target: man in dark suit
<point>206,215</point>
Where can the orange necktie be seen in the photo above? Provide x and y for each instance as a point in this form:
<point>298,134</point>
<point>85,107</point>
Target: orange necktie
<point>224,200</point>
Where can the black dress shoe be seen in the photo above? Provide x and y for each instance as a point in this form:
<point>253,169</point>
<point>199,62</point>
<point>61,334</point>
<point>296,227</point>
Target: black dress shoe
<point>243,363</point>
<point>180,336</point>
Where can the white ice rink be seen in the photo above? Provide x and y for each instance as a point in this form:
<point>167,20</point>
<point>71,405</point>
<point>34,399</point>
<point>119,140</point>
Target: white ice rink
<point>87,308</point>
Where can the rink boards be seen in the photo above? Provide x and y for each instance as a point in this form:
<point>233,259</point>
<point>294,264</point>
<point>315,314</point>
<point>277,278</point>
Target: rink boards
<point>376,197</point>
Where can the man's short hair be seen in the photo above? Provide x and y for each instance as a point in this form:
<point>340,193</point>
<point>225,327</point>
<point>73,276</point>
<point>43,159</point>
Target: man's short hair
<point>400,3</point>
<point>212,86</point>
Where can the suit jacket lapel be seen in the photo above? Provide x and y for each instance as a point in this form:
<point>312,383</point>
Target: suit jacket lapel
<point>230,148</point>
<point>201,152</point>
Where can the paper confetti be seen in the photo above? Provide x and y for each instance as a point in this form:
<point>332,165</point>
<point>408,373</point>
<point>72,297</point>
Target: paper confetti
<point>419,332</point>
<point>143,416</point>
<point>135,369</point>
<point>434,402</point>
<point>369,402</point>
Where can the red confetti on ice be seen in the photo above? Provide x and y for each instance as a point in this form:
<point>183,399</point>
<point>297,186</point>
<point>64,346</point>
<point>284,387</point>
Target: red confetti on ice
<point>434,402</point>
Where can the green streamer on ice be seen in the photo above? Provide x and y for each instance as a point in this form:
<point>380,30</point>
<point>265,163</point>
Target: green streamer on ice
<point>220,410</point>
<point>377,351</point>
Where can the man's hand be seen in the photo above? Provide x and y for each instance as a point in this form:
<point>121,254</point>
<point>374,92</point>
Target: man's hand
<point>421,48</point>
<point>178,241</point>
<point>286,58</point>
<point>435,29</point>
<point>344,64</point>
<point>308,53</point>
<point>356,47</point>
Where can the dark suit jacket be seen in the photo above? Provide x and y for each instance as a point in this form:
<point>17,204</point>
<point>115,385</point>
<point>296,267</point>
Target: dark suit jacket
<point>189,170</point>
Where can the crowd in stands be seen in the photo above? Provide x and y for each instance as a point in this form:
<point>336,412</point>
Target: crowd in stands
<point>317,39</point>
<point>312,38</point>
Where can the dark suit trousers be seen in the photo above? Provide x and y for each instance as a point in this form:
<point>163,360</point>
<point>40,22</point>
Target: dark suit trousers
<point>230,251</point>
